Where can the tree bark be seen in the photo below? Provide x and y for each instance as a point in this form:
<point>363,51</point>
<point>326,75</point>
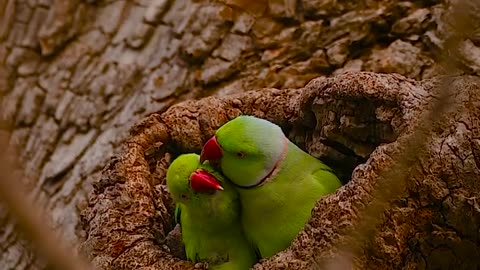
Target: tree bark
<point>355,121</point>
<point>76,75</point>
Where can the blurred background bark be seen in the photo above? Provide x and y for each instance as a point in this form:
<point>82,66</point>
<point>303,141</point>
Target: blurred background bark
<point>75,75</point>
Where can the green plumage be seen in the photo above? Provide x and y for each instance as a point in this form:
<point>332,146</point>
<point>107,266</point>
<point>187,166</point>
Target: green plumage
<point>274,211</point>
<point>210,222</point>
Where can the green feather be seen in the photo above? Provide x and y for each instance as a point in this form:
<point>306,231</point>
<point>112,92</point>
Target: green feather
<point>177,214</point>
<point>211,225</point>
<point>275,211</point>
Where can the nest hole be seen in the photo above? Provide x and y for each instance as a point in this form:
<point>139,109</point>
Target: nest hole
<point>343,135</point>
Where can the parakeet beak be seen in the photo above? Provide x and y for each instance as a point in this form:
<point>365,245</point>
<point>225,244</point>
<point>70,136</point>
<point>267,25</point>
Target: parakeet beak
<point>203,181</point>
<point>211,150</point>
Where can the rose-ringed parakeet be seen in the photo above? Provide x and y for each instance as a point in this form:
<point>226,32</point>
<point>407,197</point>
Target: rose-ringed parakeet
<point>208,209</point>
<point>278,183</point>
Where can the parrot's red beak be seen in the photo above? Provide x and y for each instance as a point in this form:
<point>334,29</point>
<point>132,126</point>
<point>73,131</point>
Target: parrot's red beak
<point>211,150</point>
<point>202,181</point>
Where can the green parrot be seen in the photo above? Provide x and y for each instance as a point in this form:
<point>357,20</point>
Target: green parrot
<point>278,183</point>
<point>208,210</point>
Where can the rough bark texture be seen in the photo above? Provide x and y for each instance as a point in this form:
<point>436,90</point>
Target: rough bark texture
<point>352,120</point>
<point>75,75</point>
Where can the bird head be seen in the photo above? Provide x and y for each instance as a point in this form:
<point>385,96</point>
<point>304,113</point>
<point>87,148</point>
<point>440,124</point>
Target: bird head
<point>186,181</point>
<point>247,149</point>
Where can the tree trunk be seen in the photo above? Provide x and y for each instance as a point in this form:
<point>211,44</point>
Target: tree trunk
<point>76,75</point>
<point>355,120</point>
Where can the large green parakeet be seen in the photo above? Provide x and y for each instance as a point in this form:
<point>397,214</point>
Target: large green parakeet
<point>278,183</point>
<point>209,214</point>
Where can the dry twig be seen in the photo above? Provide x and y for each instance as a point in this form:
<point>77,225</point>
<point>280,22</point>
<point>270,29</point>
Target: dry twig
<point>392,181</point>
<point>30,219</point>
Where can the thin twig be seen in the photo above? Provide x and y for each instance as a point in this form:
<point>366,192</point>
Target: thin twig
<point>392,181</point>
<point>30,220</point>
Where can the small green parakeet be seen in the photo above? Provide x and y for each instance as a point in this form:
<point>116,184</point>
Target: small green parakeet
<point>208,209</point>
<point>278,183</point>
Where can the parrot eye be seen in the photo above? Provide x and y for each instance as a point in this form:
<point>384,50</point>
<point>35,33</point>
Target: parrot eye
<point>240,154</point>
<point>184,196</point>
